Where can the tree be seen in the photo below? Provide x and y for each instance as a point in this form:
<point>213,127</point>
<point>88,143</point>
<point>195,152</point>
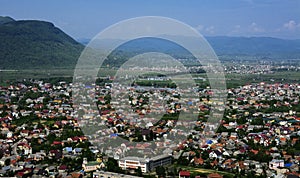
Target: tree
<point>139,171</point>
<point>1,153</point>
<point>160,171</point>
<point>112,165</point>
<point>183,161</point>
<point>204,155</point>
<point>241,120</point>
<point>7,162</point>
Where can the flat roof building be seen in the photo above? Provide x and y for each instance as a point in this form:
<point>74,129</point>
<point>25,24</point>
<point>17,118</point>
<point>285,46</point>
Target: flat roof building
<point>146,164</point>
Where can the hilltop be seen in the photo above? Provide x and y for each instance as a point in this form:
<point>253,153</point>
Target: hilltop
<point>27,44</point>
<point>5,20</point>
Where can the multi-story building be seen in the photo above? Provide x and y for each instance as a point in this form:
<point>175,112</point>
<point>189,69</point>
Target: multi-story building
<point>134,163</point>
<point>146,164</point>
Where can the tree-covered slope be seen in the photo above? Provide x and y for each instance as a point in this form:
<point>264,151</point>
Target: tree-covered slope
<point>27,44</point>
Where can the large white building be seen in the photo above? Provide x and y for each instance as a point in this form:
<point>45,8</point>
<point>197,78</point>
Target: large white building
<point>146,164</point>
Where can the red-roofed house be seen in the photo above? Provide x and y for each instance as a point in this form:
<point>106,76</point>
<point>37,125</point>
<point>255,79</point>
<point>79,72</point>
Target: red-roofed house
<point>214,175</point>
<point>62,168</point>
<point>184,174</point>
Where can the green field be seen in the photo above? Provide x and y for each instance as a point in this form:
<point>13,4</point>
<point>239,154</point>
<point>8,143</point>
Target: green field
<point>233,80</point>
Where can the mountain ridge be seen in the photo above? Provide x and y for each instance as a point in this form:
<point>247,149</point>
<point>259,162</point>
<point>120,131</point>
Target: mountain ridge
<point>27,44</point>
<point>256,47</point>
<point>5,19</point>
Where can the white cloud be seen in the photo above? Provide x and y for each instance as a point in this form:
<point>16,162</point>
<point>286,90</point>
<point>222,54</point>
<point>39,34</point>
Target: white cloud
<point>255,28</point>
<point>236,29</point>
<point>199,27</point>
<point>210,29</point>
<point>291,25</point>
<point>205,29</point>
<point>249,1</point>
<point>237,26</point>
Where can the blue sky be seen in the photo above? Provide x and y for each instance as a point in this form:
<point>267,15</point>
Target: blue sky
<point>86,18</point>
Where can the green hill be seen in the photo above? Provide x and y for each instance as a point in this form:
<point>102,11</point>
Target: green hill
<point>5,20</point>
<point>32,44</point>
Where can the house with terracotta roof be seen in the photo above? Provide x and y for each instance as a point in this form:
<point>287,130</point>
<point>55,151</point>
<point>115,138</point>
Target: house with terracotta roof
<point>184,174</point>
<point>62,168</point>
<point>214,175</point>
<point>198,161</point>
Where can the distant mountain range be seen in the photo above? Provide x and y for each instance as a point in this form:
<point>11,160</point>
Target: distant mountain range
<point>27,44</point>
<point>260,47</point>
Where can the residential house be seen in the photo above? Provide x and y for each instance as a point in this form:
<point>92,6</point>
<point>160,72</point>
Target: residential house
<point>214,175</point>
<point>276,163</point>
<point>184,174</point>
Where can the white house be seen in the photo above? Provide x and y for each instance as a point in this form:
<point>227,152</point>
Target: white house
<point>275,163</point>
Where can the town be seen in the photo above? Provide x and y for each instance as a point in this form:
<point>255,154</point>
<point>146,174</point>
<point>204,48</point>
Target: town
<point>153,89</point>
<point>43,133</point>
